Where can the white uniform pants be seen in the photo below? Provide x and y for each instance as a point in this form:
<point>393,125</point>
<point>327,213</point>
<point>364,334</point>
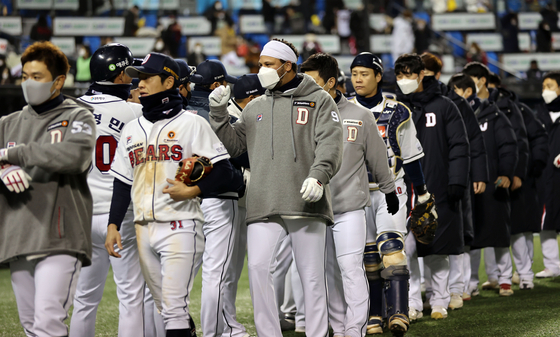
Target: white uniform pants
<point>220,226</point>
<point>549,246</point>
<point>232,328</point>
<point>379,220</point>
<point>438,276</point>
<point>308,244</point>
<point>456,278</point>
<point>153,322</point>
<point>522,251</point>
<point>346,276</point>
<point>502,271</point>
<point>44,290</point>
<point>466,269</point>
<point>282,278</point>
<point>168,253</point>
<point>126,273</point>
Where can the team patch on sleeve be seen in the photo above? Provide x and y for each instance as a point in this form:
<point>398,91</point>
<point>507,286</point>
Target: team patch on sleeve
<point>220,148</point>
<point>305,103</point>
<point>61,124</point>
<point>353,122</point>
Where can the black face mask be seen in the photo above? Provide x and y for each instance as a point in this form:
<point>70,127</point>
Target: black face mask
<point>163,105</point>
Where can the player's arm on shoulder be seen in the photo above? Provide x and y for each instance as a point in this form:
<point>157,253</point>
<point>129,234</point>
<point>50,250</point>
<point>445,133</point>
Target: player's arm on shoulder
<point>376,155</point>
<point>328,137</point>
<point>232,135</point>
<point>68,152</point>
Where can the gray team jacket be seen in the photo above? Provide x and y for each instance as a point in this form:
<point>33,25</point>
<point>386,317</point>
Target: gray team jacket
<point>289,137</point>
<point>54,215</point>
<point>362,144</point>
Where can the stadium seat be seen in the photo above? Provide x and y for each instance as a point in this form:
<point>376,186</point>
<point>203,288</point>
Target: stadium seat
<point>93,41</point>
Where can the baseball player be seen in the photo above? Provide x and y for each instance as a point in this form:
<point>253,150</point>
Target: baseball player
<point>166,212</point>
<point>548,113</point>
<point>220,210</point>
<point>346,239</point>
<point>293,136</point>
<point>246,89</point>
<point>385,232</point>
<point>45,202</point>
<point>108,95</point>
<point>186,72</point>
<point>442,132</point>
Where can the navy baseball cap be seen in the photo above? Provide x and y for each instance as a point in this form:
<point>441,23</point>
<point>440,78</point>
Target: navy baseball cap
<point>185,71</point>
<point>211,71</point>
<point>247,85</point>
<point>368,60</point>
<point>155,64</point>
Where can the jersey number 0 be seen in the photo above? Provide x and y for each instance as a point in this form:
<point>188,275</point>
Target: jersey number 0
<point>105,149</point>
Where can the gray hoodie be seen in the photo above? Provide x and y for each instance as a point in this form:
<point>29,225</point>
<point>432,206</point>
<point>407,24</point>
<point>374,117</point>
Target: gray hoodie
<point>289,137</point>
<point>362,145</point>
<point>54,215</point>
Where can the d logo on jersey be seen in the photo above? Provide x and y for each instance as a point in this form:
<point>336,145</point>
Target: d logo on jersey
<point>163,153</point>
<point>430,120</point>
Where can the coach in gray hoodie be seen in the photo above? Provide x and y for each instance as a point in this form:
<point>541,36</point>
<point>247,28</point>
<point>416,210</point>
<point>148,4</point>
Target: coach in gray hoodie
<point>293,136</point>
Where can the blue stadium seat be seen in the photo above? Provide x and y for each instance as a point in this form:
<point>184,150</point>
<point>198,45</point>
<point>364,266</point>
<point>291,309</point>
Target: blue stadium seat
<point>261,39</point>
<point>94,42</point>
<point>151,19</point>
<point>183,47</point>
<point>493,56</point>
<point>457,51</point>
<point>423,16</point>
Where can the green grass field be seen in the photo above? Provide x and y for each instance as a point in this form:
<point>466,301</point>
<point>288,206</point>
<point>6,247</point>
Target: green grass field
<point>528,313</point>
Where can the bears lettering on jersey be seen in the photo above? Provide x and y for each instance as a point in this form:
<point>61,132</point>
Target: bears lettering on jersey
<point>163,153</point>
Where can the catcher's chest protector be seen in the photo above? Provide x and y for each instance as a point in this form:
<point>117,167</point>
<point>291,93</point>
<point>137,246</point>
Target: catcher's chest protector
<point>388,122</point>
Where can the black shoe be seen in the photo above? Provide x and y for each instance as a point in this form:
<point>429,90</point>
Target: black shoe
<point>287,325</point>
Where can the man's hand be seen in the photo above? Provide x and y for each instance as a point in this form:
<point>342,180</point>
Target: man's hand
<point>134,96</point>
<point>502,182</point>
<point>113,238</point>
<point>219,97</point>
<point>14,177</point>
<point>479,187</point>
<point>516,183</point>
<point>178,191</point>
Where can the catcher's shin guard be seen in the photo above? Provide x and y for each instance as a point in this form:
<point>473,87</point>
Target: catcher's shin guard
<point>396,295</point>
<point>372,262</point>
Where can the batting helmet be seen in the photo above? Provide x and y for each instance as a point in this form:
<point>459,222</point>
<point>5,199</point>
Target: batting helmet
<point>110,60</point>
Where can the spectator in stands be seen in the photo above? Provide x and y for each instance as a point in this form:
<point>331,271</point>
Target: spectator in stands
<point>41,30</point>
<point>476,54</point>
<point>422,36</point>
<point>252,57</point>
<point>131,21</point>
<point>544,38</point>
<point>310,46</point>
<point>196,56</point>
<point>105,40</point>
<point>534,73</point>
<point>160,47</point>
<point>268,13</point>
<point>82,64</point>
<point>5,74</point>
<point>172,37</point>
<point>550,16</point>
<point>510,29</point>
<point>402,39</point>
<point>343,30</point>
<point>329,20</point>
<point>359,25</point>
<point>294,22</point>
<point>227,35</point>
<point>217,16</point>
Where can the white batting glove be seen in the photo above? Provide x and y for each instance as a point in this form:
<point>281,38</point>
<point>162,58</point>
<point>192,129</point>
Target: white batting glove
<point>557,161</point>
<point>312,190</point>
<point>15,178</point>
<point>219,97</point>
<point>3,155</point>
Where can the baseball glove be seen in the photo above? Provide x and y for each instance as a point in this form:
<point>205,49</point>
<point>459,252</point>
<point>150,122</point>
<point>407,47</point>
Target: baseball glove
<point>192,169</point>
<point>423,221</point>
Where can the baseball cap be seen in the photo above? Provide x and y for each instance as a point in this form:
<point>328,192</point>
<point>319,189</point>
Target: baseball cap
<point>368,60</point>
<point>246,86</point>
<point>185,71</point>
<point>155,64</point>
<point>211,71</point>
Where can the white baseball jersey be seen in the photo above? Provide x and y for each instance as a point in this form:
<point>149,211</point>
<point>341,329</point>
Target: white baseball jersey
<point>111,114</point>
<point>149,153</point>
<point>405,135</point>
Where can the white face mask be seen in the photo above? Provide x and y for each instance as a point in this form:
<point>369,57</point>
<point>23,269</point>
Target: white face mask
<point>407,86</point>
<point>269,77</point>
<point>36,93</point>
<point>549,96</point>
<point>82,53</point>
<point>159,45</point>
<point>198,49</point>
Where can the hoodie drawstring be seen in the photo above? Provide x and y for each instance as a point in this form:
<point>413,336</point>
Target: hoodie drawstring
<point>272,127</point>
<point>292,126</point>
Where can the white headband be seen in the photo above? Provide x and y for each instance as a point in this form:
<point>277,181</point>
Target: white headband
<point>280,51</point>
